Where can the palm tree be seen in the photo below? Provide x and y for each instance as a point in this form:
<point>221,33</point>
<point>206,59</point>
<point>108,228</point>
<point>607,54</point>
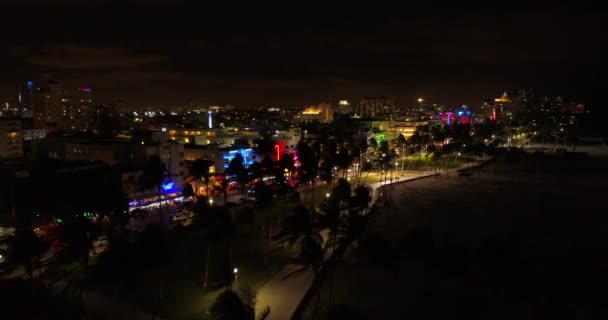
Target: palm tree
<point>223,186</point>
<point>200,170</point>
<point>306,170</point>
<point>28,248</point>
<point>187,191</point>
<point>219,225</point>
<point>237,167</point>
<point>297,226</point>
<point>300,229</point>
<point>267,165</point>
<point>343,160</point>
<point>79,233</point>
<point>316,157</point>
<point>372,142</point>
<point>153,176</point>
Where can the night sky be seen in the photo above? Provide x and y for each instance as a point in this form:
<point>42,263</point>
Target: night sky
<point>175,53</point>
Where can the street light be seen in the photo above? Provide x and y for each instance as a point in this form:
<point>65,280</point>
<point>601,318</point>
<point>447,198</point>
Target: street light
<point>210,201</point>
<point>327,195</point>
<point>236,276</point>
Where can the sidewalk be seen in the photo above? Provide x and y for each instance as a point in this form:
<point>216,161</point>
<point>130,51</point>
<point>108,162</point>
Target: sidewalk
<point>283,296</point>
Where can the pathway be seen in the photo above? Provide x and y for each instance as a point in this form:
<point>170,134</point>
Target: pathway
<point>283,295</point>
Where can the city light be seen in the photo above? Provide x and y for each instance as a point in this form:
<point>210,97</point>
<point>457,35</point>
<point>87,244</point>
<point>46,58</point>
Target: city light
<point>168,186</point>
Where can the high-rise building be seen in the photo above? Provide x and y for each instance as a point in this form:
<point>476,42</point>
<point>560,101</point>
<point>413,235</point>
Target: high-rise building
<point>55,107</point>
<point>24,98</point>
<point>525,101</point>
<point>502,107</point>
<point>76,111</point>
<point>344,107</point>
<point>375,106</point>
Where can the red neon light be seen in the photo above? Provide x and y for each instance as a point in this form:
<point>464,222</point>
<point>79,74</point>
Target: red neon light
<point>277,148</point>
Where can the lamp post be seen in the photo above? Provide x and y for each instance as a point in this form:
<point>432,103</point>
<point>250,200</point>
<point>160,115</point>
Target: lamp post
<point>236,276</point>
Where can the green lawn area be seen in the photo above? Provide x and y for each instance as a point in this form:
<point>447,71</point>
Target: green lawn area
<point>183,274</point>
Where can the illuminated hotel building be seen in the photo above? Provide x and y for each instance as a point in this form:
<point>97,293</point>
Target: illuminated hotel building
<point>405,126</point>
<point>121,152</point>
<point>344,107</point>
<point>52,106</point>
<point>322,112</point>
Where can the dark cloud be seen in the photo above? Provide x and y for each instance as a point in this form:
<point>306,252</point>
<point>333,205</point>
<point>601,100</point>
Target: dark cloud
<point>71,56</point>
<point>257,53</point>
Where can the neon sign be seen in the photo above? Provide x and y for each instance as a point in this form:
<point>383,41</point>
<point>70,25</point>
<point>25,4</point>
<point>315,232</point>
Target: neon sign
<point>278,150</point>
<point>168,186</point>
<point>246,153</point>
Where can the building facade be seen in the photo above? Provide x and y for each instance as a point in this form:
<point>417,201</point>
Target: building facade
<point>11,145</point>
<point>375,106</point>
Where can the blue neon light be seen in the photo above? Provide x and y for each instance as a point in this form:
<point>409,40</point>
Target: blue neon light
<point>29,83</point>
<point>168,186</point>
<point>460,113</point>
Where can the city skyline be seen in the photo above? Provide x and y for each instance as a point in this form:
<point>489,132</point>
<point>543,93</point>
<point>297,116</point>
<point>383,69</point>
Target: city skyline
<point>152,55</point>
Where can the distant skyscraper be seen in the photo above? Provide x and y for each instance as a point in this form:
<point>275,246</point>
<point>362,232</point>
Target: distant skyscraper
<point>55,107</point>
<point>525,101</point>
<point>502,107</point>
<point>375,106</point>
<point>344,107</point>
<point>24,98</point>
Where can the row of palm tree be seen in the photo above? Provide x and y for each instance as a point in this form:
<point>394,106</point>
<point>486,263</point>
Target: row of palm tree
<point>343,215</point>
